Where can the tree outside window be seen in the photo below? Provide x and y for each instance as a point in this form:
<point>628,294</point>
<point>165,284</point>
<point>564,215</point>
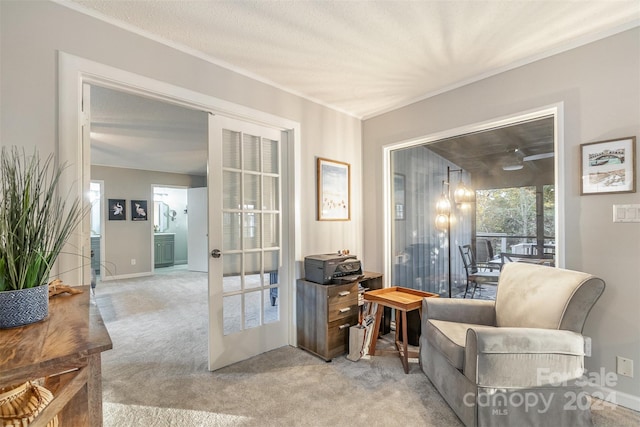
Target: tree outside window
<point>514,221</point>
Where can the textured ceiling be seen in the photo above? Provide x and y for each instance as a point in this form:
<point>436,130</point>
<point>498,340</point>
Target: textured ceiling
<point>360,57</point>
<point>368,57</point>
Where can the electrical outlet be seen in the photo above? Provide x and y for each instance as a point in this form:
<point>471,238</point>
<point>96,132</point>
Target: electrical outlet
<point>624,366</point>
<point>133,261</point>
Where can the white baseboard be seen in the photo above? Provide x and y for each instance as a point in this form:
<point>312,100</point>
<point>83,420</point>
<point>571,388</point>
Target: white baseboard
<point>126,276</point>
<point>614,396</point>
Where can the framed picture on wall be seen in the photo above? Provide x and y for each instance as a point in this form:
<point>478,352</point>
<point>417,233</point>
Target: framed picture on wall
<point>608,166</point>
<point>117,209</point>
<point>138,210</point>
<point>334,186</point>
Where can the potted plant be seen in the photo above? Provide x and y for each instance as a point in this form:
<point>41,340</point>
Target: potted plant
<point>35,223</point>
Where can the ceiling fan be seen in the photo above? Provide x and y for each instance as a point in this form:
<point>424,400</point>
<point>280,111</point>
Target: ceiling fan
<point>518,159</point>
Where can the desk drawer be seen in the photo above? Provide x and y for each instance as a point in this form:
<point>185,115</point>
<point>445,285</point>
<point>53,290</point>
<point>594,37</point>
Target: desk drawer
<point>342,301</point>
<point>343,310</point>
<point>338,336</point>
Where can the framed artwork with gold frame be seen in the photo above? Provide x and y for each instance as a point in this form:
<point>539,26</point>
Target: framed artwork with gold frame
<point>333,190</point>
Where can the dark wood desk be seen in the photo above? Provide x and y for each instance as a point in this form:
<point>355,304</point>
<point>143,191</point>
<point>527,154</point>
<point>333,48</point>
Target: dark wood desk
<point>65,350</point>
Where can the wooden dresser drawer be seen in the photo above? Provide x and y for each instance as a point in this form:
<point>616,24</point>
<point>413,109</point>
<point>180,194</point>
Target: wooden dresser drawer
<point>342,301</point>
<point>337,293</point>
<point>346,308</point>
<point>338,335</point>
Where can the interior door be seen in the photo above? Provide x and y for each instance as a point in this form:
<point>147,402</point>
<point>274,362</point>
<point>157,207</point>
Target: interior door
<point>247,301</point>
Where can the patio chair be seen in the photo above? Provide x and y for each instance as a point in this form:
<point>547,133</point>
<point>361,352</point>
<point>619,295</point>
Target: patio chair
<point>477,273</point>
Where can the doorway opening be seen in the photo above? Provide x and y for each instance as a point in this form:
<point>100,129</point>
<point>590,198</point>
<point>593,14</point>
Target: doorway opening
<point>511,165</point>
<point>170,227</point>
<point>75,73</point>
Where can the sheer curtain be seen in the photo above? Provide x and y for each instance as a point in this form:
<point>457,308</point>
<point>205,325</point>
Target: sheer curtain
<point>420,251</point>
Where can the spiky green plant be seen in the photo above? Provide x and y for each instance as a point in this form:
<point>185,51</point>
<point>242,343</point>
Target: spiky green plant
<point>35,221</point>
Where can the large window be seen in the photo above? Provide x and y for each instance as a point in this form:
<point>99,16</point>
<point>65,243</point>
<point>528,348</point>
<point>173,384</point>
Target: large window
<point>517,220</point>
<point>511,169</point>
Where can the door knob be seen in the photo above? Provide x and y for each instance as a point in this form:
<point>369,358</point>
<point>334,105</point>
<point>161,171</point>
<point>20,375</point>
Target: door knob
<point>216,253</point>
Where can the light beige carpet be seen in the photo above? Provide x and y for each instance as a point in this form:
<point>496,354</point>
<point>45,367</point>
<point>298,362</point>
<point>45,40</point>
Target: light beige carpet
<point>156,374</point>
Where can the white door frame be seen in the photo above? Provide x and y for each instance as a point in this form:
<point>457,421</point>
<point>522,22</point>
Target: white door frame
<point>555,110</point>
<point>73,71</point>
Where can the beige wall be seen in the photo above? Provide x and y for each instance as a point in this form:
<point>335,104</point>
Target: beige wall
<point>31,34</point>
<point>127,240</point>
<point>599,85</point>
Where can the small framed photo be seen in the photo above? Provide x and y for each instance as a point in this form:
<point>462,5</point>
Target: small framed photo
<point>117,210</point>
<point>334,186</point>
<point>608,166</point>
<point>138,210</point>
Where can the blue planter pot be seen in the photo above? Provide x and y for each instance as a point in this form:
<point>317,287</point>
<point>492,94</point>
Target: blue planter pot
<point>24,306</point>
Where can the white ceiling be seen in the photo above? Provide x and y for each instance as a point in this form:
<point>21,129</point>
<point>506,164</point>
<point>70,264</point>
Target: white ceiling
<point>367,57</point>
<point>359,57</point>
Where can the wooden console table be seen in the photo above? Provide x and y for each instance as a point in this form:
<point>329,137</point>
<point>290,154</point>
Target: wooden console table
<point>65,350</point>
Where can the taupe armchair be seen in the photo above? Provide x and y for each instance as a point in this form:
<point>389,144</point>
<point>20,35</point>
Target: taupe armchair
<point>518,360</point>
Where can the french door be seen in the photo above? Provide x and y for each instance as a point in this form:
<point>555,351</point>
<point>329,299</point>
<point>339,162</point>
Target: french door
<point>248,304</point>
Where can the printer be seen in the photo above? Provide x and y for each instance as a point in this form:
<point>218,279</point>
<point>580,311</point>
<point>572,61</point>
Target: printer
<point>332,268</point>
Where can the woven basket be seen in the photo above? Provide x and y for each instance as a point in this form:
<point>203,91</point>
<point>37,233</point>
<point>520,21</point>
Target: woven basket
<point>20,405</point>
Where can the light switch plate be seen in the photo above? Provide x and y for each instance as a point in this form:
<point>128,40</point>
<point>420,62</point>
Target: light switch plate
<point>626,213</point>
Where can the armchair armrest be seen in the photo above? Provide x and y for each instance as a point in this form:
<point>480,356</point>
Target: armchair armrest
<point>522,357</point>
<point>478,312</point>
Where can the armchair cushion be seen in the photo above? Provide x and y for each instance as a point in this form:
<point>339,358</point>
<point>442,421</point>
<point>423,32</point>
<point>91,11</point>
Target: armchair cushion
<point>477,312</point>
<point>449,338</point>
<point>522,357</point>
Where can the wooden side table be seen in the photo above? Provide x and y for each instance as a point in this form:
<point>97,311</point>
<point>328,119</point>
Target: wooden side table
<point>402,300</point>
<point>65,350</point>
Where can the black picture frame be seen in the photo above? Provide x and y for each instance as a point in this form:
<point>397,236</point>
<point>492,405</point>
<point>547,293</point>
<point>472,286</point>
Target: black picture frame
<point>117,209</point>
<point>139,211</point>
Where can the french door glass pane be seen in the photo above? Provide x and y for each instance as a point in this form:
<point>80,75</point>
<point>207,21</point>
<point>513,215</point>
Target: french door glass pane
<point>232,309</point>
<point>252,309</point>
<point>231,190</point>
<point>270,304</point>
<point>232,231</point>
<point>270,156</point>
<point>252,267</point>
<point>251,191</point>
<point>271,262</point>
<point>270,201</point>
<point>271,230</point>
<point>231,149</point>
<point>251,152</point>
<point>252,230</point>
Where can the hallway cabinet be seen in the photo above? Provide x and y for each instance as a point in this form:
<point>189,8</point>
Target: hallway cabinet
<point>163,249</point>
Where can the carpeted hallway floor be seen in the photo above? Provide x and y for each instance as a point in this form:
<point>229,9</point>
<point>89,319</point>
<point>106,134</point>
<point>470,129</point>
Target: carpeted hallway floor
<point>156,374</point>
